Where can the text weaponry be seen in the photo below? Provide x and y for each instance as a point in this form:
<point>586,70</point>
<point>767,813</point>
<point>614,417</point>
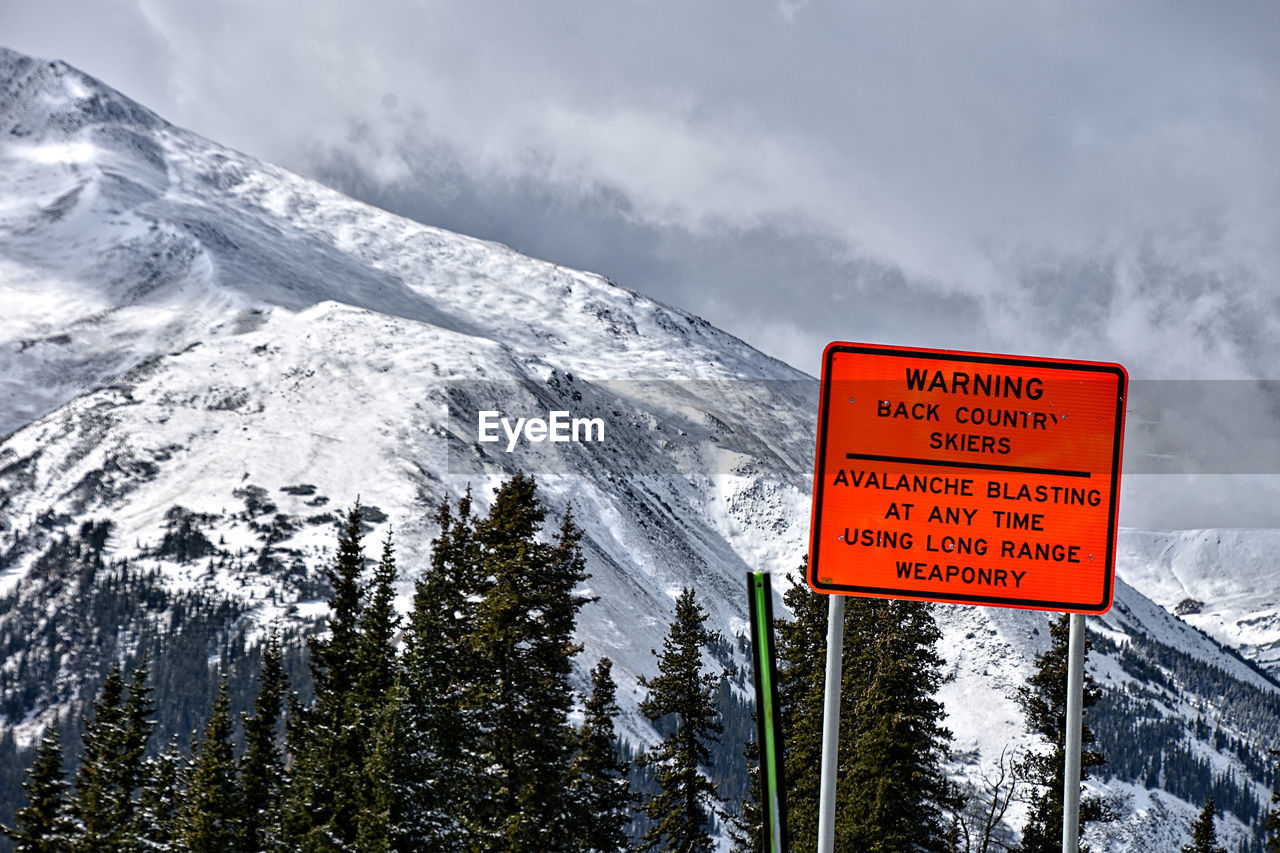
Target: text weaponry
<point>967,478</point>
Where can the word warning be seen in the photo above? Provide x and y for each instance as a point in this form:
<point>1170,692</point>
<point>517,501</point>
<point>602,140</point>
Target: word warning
<point>967,478</point>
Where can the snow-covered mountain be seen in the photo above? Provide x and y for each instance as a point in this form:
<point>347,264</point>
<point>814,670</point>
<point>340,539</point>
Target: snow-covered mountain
<point>1225,582</point>
<point>213,355</point>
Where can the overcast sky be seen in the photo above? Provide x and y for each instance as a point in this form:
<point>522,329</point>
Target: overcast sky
<point>1084,179</point>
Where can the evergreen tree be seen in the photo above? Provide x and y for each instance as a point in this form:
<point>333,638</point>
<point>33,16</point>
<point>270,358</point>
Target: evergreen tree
<point>341,794</point>
<point>261,770</point>
<point>1204,838</point>
<point>441,668</point>
<point>326,741</point>
<point>599,788</point>
<point>334,659</point>
<point>747,826</point>
<point>894,794</point>
<point>209,818</point>
<point>385,793</point>
<point>112,766</point>
<point>802,655</point>
<point>379,712</point>
<point>158,804</point>
<point>376,661</point>
<point>42,825</point>
<point>1044,700</point>
<point>524,639</point>
<point>1272,826</point>
<point>682,697</point>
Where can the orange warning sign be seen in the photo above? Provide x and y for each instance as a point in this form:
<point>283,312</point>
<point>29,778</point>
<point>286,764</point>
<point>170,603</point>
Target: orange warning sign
<point>967,478</point>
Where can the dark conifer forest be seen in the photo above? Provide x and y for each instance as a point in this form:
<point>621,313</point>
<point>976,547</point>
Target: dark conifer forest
<point>459,726</point>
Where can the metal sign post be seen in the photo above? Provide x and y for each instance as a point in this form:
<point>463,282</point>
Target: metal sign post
<point>831,725</point>
<point>1075,709</point>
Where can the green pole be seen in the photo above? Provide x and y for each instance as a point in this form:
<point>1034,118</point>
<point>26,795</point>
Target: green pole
<point>768,720</point>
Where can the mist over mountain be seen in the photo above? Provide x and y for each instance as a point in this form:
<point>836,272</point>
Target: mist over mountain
<point>204,358</point>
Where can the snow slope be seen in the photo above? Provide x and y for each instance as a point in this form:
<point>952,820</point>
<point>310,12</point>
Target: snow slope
<point>1224,582</point>
<point>189,321</point>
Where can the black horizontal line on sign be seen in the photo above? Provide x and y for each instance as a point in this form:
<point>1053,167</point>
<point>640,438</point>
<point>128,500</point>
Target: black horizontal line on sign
<point>982,466</point>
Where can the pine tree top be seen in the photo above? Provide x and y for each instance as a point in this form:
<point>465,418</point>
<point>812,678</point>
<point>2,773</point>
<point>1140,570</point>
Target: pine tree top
<point>1204,836</point>
<point>687,801</point>
<point>516,514</point>
<point>43,823</point>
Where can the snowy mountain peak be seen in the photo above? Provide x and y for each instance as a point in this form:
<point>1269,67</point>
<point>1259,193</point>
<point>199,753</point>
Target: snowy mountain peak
<point>122,236</point>
<point>41,98</point>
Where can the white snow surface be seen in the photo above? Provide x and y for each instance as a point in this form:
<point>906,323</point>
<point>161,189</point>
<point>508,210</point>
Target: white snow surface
<point>1224,582</point>
<point>181,320</point>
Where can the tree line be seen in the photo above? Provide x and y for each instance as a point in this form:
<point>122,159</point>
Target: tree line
<point>453,729</point>
<point>893,794</point>
<point>448,729</point>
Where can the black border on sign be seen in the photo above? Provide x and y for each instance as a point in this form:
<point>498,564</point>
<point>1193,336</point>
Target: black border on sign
<point>974,358</point>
